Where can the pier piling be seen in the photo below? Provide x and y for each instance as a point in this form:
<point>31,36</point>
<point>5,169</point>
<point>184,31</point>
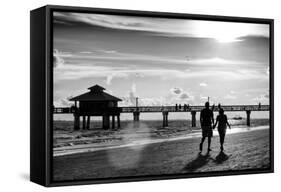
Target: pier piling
<point>136,115</point>
<point>113,122</point>
<point>193,118</point>
<point>165,118</point>
<point>76,122</point>
<point>88,122</point>
<point>118,121</point>
<point>248,117</point>
<point>84,122</point>
<point>105,122</point>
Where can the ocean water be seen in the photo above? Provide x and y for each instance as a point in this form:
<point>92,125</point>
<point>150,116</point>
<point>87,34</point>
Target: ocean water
<point>157,124</point>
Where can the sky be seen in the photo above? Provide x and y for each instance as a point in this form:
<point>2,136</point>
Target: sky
<point>159,60</point>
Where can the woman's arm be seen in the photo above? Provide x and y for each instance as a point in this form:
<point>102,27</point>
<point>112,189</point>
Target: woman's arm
<point>227,122</point>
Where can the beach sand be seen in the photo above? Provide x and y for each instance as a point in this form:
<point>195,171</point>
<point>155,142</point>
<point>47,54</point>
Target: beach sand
<point>243,150</point>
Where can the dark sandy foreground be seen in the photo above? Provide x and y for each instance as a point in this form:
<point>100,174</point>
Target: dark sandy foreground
<point>247,150</point>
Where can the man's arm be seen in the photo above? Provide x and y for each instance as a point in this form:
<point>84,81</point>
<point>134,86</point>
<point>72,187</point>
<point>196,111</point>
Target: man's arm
<point>212,117</point>
<point>215,123</point>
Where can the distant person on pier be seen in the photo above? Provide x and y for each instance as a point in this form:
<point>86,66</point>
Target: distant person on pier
<point>206,120</point>
<point>185,107</point>
<point>222,120</point>
<point>179,106</point>
<point>176,106</point>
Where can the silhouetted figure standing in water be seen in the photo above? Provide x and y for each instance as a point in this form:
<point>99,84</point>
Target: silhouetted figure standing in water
<point>222,120</point>
<point>206,120</point>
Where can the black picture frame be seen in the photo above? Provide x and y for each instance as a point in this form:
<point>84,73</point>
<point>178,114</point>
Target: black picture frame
<point>41,93</point>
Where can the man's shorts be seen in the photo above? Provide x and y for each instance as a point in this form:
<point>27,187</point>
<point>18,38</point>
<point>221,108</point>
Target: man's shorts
<point>207,131</point>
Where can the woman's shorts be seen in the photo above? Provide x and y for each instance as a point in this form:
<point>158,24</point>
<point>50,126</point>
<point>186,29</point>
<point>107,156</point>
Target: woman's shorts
<point>222,131</point>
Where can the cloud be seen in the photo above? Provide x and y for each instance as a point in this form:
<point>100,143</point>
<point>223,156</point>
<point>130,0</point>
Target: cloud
<point>230,96</point>
<point>262,98</point>
<point>134,88</point>
<point>63,102</point>
<point>86,52</point>
<point>178,95</point>
<point>173,96</point>
<point>57,59</point>
<point>107,51</point>
<point>203,84</point>
<point>203,97</point>
<point>100,64</point>
<point>113,55</point>
<point>216,61</point>
<point>110,77</point>
<point>184,96</point>
<point>130,99</point>
<point>81,70</point>
<point>159,101</point>
<point>78,65</point>
<point>176,90</point>
<point>221,31</point>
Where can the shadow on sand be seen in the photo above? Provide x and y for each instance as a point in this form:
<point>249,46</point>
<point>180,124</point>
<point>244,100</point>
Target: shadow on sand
<point>200,161</point>
<point>221,157</point>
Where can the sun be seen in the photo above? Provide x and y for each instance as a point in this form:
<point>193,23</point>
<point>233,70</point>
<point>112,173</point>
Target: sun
<point>225,38</point>
<point>222,32</point>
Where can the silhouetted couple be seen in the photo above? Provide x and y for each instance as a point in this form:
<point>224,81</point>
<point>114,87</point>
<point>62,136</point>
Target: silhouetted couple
<point>207,126</point>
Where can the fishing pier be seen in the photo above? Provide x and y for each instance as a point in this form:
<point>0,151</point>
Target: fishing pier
<point>98,103</point>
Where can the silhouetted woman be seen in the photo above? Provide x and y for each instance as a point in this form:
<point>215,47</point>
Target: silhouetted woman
<point>222,120</point>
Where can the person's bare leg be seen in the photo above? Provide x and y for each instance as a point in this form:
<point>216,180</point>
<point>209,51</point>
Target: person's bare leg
<point>222,136</point>
<point>209,143</point>
<point>201,144</point>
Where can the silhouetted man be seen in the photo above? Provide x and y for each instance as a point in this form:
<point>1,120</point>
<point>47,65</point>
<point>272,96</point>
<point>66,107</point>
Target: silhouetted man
<point>207,121</point>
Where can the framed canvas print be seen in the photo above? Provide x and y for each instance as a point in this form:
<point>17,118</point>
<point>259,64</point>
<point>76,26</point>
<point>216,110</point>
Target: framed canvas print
<point>119,95</point>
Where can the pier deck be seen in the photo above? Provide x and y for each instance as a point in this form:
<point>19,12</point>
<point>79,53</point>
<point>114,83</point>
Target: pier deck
<point>155,109</point>
<point>165,110</point>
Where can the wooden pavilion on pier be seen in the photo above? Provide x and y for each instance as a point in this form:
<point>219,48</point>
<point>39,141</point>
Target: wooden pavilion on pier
<point>96,102</point>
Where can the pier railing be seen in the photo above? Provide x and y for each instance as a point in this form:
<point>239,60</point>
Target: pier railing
<point>150,109</point>
<point>165,110</point>
<point>153,109</point>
